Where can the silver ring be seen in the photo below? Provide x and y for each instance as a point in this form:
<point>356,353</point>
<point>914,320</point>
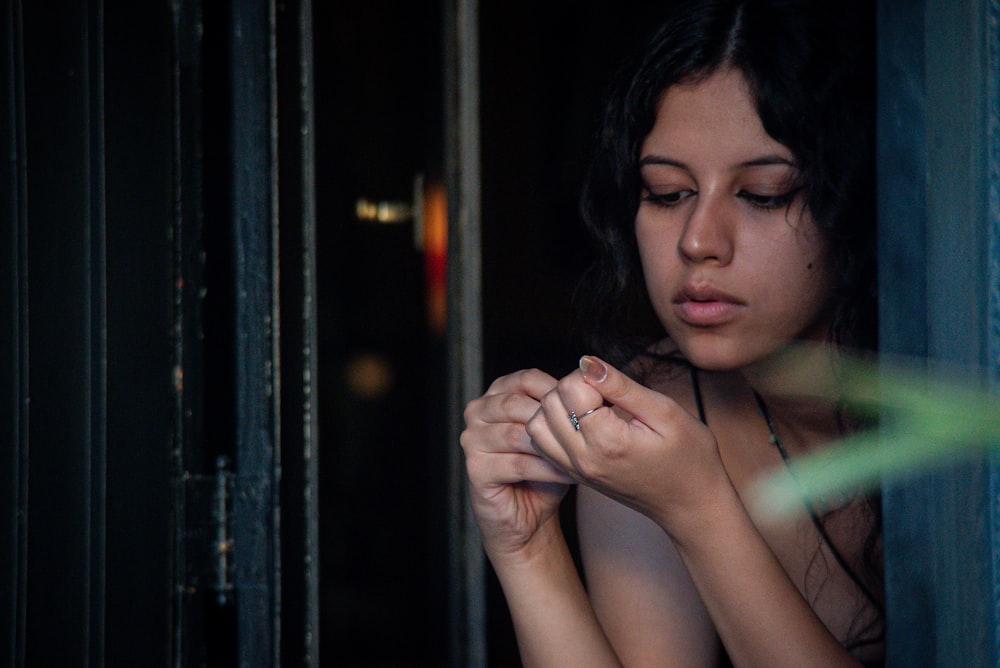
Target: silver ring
<point>574,419</point>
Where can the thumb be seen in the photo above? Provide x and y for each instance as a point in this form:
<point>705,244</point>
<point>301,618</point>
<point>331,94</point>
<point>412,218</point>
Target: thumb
<point>617,388</point>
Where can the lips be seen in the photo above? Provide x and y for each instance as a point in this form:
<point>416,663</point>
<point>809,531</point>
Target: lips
<point>705,306</point>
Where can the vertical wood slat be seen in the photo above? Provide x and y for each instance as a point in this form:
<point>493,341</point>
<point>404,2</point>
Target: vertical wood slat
<point>196,616</point>
<point>242,269</point>
<point>938,272</point>
<point>467,586</point>
<point>298,337</point>
<point>256,505</point>
<point>13,340</point>
<point>992,38</point>
<point>902,248</point>
<point>97,478</point>
<point>991,28</point>
<point>187,26</point>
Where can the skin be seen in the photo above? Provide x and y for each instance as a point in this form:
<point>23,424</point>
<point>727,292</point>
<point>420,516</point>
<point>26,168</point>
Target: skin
<point>677,564</point>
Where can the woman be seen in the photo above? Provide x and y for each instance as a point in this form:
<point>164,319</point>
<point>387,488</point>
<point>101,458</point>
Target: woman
<point>731,197</point>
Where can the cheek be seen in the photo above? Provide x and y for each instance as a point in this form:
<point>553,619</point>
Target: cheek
<point>656,243</point>
<point>814,275</point>
<point>796,274</point>
<point>817,265</point>
<point>643,236</point>
<point>647,249</point>
<point>808,254</point>
<point>657,260</point>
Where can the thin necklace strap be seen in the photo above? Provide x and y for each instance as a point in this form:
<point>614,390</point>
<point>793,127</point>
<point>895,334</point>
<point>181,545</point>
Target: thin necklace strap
<point>776,441</point>
<point>696,388</point>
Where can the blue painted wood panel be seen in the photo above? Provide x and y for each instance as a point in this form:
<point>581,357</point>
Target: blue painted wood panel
<point>938,290</point>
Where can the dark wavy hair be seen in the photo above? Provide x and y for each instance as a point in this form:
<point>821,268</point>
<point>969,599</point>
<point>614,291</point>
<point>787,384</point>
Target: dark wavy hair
<point>810,68</point>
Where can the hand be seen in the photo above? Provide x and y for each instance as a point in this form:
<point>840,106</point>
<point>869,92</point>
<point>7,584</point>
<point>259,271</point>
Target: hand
<point>639,447</point>
<point>513,490</point>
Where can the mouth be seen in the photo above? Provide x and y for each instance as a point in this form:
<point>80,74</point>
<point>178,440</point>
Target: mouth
<point>705,306</point>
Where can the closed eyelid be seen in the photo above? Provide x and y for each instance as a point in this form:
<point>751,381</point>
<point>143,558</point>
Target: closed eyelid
<point>772,177</point>
<point>665,182</point>
<point>661,169</point>
<point>667,188</point>
<point>666,177</point>
<point>668,199</point>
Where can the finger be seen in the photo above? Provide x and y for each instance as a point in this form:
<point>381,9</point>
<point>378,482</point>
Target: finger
<point>568,408</point>
<point>532,382</point>
<point>647,406</point>
<point>577,396</point>
<point>497,438</point>
<point>552,434</point>
<point>496,408</point>
<point>512,468</point>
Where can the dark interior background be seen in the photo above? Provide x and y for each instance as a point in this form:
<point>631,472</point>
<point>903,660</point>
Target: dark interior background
<point>381,536</point>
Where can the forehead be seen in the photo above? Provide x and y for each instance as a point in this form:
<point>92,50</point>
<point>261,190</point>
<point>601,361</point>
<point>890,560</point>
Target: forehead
<point>712,117</point>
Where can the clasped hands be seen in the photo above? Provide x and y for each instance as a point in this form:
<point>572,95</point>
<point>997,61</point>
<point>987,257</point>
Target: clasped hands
<point>639,447</point>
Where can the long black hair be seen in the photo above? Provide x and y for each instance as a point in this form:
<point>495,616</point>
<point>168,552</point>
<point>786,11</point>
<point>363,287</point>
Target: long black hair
<point>810,68</point>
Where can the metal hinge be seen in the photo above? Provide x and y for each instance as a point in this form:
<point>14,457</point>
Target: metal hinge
<point>222,545</point>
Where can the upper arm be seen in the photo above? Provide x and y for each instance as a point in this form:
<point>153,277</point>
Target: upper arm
<point>640,588</point>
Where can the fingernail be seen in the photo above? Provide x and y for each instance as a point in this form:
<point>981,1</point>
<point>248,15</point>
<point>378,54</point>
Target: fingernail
<point>592,369</point>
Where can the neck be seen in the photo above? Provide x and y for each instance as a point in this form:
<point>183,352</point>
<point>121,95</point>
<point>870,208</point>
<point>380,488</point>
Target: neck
<point>800,370</point>
<point>799,386</point>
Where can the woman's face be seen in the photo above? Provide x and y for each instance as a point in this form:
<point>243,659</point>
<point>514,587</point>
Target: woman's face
<point>734,264</point>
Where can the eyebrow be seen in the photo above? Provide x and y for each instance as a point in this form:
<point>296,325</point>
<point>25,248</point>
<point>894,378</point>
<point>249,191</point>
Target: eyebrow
<point>763,161</point>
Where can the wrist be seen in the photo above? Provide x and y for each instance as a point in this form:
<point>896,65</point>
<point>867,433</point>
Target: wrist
<point>708,523</point>
<point>546,540</point>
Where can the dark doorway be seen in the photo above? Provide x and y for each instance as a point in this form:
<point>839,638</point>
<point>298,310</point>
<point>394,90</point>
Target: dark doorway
<point>383,438</point>
<point>381,338</point>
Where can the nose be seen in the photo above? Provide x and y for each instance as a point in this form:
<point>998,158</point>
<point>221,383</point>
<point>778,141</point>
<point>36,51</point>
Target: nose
<point>708,232</point>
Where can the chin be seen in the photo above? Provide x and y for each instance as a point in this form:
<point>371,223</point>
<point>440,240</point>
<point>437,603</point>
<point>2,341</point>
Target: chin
<point>715,358</point>
<point>720,353</point>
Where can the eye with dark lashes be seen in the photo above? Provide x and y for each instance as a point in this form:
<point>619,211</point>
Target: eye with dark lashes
<point>779,201</point>
<point>668,199</point>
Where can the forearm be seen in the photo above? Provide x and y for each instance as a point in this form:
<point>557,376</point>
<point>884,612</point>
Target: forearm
<point>759,614</point>
<point>552,615</point>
